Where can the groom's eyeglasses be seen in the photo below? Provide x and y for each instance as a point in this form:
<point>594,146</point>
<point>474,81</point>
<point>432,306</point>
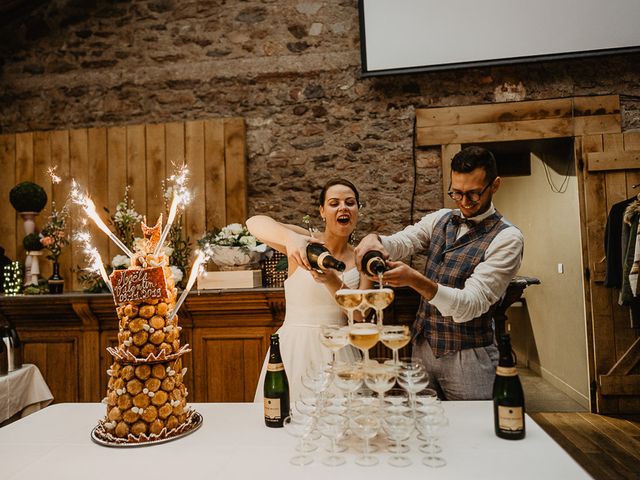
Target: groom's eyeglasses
<point>472,195</point>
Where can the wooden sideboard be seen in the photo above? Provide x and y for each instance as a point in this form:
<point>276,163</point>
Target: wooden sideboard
<point>66,336</point>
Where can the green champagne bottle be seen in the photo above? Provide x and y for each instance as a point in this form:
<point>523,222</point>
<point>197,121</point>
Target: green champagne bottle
<point>276,387</point>
<point>373,263</point>
<point>508,398</point>
<point>321,259</point>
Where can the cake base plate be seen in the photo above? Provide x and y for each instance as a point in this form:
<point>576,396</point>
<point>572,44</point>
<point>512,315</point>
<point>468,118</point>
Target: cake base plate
<point>99,435</point>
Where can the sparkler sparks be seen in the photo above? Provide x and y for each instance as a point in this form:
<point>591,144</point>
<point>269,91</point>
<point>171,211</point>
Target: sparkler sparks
<point>90,209</point>
<point>51,171</point>
<point>195,269</point>
<point>181,197</point>
<point>95,262</point>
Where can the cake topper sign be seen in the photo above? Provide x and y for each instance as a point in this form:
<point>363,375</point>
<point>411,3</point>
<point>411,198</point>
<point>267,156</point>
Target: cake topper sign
<point>132,285</point>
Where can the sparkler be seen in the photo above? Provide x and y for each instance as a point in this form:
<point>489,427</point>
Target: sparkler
<point>95,264</point>
<point>90,209</point>
<point>195,268</point>
<point>181,196</point>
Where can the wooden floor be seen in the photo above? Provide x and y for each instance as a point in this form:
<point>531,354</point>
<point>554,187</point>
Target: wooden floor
<point>606,447</point>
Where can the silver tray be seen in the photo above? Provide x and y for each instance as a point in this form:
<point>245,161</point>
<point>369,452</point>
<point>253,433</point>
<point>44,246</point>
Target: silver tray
<point>194,423</point>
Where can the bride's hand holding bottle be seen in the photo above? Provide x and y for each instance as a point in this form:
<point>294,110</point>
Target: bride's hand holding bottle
<point>296,245</point>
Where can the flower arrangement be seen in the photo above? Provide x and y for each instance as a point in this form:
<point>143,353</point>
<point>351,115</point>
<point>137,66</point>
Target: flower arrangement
<point>125,219</point>
<point>53,236</point>
<point>232,247</point>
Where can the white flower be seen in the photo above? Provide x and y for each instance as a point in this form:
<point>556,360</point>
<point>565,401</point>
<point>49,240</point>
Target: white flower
<point>249,241</point>
<point>140,244</point>
<point>120,261</point>
<point>168,251</point>
<point>234,228</point>
<point>176,273</point>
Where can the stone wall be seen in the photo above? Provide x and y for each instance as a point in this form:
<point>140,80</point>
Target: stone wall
<point>289,67</point>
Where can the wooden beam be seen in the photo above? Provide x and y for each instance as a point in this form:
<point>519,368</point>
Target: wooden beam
<point>620,384</point>
<point>518,111</point>
<point>613,160</point>
<point>628,360</point>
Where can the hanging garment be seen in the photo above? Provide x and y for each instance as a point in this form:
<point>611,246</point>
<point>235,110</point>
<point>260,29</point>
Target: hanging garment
<point>614,244</point>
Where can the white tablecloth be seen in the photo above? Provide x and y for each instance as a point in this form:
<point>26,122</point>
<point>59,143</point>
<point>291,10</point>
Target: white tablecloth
<point>23,391</point>
<point>233,443</point>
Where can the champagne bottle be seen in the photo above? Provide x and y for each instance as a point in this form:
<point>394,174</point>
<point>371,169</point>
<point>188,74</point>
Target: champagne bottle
<point>276,387</point>
<point>373,263</point>
<point>508,398</point>
<point>321,259</point>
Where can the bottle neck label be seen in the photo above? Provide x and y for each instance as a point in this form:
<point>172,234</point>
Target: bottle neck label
<point>510,419</point>
<point>321,258</point>
<point>507,371</point>
<point>275,367</point>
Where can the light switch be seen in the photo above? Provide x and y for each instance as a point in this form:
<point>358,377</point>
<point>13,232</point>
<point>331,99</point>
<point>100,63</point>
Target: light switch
<point>561,268</point>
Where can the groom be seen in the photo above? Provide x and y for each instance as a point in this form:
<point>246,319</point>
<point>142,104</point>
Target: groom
<point>472,255</point>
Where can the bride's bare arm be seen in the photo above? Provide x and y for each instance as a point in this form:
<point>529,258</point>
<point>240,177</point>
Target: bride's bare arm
<point>288,239</point>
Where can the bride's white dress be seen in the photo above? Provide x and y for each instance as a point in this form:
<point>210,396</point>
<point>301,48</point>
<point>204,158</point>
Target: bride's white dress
<point>308,306</point>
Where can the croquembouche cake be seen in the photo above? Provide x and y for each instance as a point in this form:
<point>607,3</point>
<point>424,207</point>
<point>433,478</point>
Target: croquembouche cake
<point>146,397</point>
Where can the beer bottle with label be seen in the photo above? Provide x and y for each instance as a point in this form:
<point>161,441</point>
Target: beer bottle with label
<point>276,387</point>
<point>321,259</point>
<point>508,398</point>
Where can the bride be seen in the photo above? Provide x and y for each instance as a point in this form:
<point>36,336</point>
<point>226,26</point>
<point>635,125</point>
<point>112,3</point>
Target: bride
<point>309,293</point>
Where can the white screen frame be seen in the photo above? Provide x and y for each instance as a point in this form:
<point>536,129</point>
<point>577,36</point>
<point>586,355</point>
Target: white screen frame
<point>393,33</point>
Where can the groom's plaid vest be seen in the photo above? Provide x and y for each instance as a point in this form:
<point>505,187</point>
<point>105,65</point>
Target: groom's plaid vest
<point>450,262</point>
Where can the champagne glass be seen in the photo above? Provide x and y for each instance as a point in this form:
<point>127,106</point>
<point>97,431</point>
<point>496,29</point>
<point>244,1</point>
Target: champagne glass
<point>348,378</point>
<point>428,425</point>
<point>300,426</point>
<point>395,337</point>
<point>380,378</point>
<point>350,300</point>
<point>413,377</point>
<point>430,445</point>
<point>378,299</point>
<point>317,378</point>
<point>365,427</point>
<point>364,336</point>
<point>398,428</point>
<point>334,337</point>
<point>333,427</point>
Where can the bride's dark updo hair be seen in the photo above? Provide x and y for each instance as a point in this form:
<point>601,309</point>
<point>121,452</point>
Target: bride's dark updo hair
<point>338,181</point>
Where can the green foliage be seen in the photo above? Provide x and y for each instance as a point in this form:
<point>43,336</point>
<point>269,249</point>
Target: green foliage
<point>125,219</point>
<point>28,197</point>
<point>92,281</point>
<point>32,243</point>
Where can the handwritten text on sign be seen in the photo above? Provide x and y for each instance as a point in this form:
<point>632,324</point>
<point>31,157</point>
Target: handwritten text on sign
<point>131,285</point>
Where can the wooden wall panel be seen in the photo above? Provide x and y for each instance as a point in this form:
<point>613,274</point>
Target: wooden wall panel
<point>155,171</point>
<point>8,216</point>
<point>235,171</point>
<point>79,168</point>
<point>105,160</point>
<point>136,166</point>
<point>195,218</point>
<point>57,356</point>
<point>222,381</point>
<point>117,161</point>
<point>215,175</point>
